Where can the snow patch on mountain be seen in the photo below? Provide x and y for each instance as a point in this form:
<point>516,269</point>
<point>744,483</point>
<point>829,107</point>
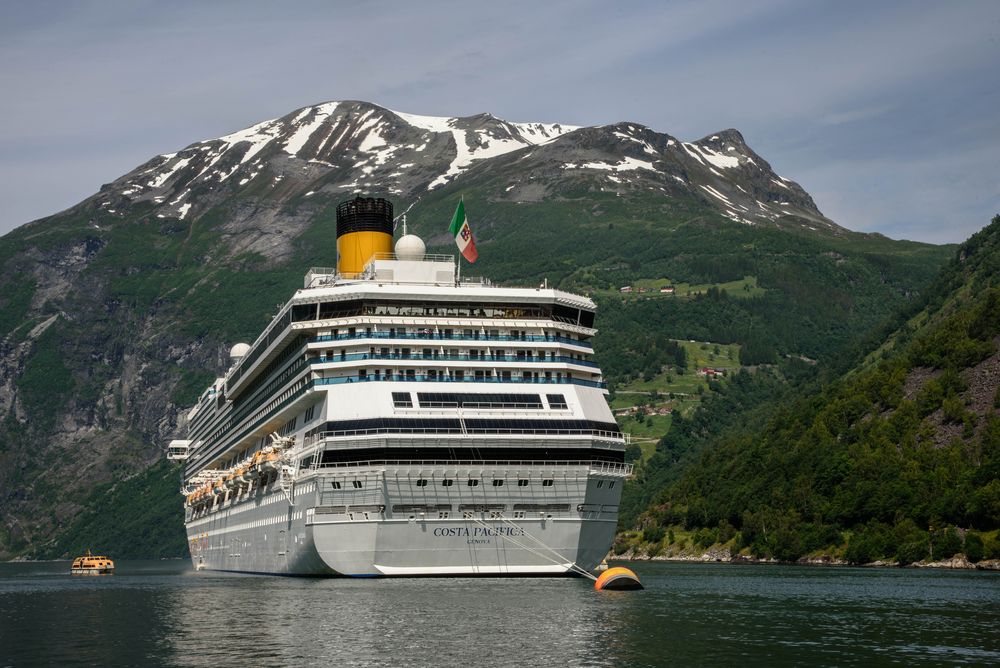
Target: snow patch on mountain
<point>626,165</point>
<point>302,134</point>
<point>432,123</point>
<point>542,133</point>
<point>472,145</point>
<point>258,136</point>
<point>717,159</point>
<point>160,180</point>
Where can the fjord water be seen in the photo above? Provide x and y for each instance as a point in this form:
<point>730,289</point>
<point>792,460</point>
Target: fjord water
<point>163,613</point>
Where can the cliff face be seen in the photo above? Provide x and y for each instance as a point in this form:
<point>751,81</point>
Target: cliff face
<point>116,312</point>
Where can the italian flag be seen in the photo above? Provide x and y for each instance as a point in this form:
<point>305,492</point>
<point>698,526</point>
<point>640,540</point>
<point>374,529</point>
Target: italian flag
<point>463,233</point>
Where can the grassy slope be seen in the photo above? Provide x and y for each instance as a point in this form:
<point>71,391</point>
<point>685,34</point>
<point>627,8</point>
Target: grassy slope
<point>881,462</point>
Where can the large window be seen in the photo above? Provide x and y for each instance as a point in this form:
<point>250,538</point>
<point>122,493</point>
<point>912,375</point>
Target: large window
<point>556,401</point>
<point>326,310</point>
<point>462,400</point>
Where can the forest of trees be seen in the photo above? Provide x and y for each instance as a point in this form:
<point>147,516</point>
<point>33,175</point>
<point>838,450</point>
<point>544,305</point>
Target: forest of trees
<point>897,460</point>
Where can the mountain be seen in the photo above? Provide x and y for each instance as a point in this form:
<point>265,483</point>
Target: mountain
<point>897,460</point>
<point>116,312</point>
<point>338,148</point>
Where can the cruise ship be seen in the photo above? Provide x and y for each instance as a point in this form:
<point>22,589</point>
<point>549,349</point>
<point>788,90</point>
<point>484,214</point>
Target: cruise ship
<point>397,419</point>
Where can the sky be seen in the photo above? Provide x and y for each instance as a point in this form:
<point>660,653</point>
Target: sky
<point>887,113</point>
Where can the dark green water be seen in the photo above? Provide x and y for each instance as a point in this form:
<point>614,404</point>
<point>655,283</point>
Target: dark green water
<point>162,613</point>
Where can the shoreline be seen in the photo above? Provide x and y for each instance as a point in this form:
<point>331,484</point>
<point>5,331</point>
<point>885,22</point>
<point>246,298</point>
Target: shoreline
<point>958,562</point>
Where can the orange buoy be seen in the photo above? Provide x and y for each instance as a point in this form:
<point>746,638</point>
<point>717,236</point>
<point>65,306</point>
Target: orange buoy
<point>617,579</point>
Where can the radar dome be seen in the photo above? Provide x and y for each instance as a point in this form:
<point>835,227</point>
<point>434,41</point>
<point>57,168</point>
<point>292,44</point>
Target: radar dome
<point>239,350</point>
<point>410,247</point>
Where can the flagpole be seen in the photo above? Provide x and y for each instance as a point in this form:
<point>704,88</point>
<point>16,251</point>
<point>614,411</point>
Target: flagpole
<point>458,283</point>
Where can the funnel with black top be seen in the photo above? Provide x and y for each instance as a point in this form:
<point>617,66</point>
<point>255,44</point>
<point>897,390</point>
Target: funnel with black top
<point>364,228</point>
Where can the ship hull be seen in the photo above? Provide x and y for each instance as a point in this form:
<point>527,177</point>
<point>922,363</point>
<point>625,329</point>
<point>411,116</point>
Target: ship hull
<point>281,533</point>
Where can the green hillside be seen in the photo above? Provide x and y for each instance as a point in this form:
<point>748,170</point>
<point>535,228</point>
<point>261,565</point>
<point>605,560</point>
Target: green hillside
<point>899,459</point>
<point>113,322</point>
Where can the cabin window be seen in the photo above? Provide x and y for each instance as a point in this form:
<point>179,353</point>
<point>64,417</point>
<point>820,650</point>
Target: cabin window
<point>546,483</point>
<point>522,483</point>
<point>421,483</point>
<point>447,482</point>
<point>357,484</point>
<point>498,483</point>
<point>335,484</point>
<point>556,401</point>
<point>472,482</point>
<point>402,400</point>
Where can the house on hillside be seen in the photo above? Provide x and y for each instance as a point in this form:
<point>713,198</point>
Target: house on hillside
<point>667,290</point>
<point>624,289</point>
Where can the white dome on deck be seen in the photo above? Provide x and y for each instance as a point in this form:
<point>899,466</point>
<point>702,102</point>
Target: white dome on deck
<point>410,247</point>
<point>239,350</point>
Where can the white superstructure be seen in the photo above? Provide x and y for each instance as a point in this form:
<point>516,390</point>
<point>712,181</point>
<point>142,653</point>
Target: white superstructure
<point>399,422</point>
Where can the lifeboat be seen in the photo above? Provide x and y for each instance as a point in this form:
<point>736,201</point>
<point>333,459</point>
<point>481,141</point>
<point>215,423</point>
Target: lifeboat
<point>90,564</point>
<point>250,471</point>
<point>270,463</point>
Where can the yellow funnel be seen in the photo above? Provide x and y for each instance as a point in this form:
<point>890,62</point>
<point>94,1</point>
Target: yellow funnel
<point>364,228</point>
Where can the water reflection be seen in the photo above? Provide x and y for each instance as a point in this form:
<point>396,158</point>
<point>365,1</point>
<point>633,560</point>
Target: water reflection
<point>161,613</point>
<point>388,622</point>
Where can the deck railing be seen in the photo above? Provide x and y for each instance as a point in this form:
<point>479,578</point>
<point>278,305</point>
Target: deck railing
<point>441,336</point>
<point>616,436</point>
<point>599,467</point>
<point>354,357</point>
<point>422,378</point>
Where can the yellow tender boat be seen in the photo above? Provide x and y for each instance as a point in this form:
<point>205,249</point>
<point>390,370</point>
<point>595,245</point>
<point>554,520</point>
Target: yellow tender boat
<point>89,564</point>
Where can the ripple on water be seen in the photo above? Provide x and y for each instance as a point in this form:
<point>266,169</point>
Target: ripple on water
<point>161,613</point>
